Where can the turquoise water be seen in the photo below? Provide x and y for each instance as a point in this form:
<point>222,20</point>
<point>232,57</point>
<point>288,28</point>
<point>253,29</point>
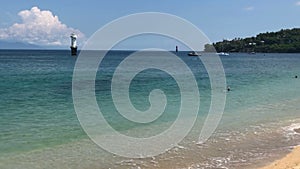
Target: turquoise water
<point>39,127</point>
<point>36,103</point>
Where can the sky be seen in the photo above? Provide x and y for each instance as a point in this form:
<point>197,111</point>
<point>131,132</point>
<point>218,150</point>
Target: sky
<point>49,23</point>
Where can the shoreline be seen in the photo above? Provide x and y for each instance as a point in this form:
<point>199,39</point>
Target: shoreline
<point>290,161</point>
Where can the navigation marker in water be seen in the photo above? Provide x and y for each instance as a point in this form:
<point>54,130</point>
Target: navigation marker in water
<point>73,44</point>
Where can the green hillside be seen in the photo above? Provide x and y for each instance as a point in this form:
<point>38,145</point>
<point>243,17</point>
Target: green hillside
<point>283,41</point>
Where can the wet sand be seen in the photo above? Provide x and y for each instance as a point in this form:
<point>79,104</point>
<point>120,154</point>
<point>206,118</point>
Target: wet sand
<point>290,161</point>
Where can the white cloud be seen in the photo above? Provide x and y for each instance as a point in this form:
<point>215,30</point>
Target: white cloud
<point>39,27</point>
<point>249,8</point>
<point>297,3</point>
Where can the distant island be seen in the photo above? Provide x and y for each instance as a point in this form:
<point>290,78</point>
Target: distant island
<point>17,45</point>
<point>12,45</point>
<point>283,41</point>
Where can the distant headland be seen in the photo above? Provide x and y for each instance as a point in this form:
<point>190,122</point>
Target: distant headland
<point>283,41</point>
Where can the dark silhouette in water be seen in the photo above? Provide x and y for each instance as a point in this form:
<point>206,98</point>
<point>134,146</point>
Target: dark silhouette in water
<point>296,76</point>
<point>176,48</point>
<point>228,88</point>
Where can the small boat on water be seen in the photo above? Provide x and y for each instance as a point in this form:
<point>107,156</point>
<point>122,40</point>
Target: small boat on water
<point>194,54</point>
<point>223,54</point>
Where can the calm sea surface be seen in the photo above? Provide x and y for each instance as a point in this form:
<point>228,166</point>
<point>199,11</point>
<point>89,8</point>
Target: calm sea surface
<point>39,127</point>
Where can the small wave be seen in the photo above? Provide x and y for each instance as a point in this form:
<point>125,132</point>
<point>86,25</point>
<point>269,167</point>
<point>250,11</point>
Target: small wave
<point>292,129</point>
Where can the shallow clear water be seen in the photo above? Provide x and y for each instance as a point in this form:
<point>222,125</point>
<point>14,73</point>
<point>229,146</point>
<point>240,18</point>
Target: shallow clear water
<point>39,127</point>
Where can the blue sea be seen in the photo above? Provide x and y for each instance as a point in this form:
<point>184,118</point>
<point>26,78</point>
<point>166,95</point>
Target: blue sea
<point>39,127</point>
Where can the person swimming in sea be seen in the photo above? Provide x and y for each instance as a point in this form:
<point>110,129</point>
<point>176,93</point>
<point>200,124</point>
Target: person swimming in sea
<point>228,88</point>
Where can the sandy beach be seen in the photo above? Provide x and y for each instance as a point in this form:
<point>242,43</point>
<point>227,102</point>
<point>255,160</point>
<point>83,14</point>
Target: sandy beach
<point>290,161</point>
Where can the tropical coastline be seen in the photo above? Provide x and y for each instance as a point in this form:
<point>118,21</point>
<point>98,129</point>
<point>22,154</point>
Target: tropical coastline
<point>150,84</point>
<point>283,41</point>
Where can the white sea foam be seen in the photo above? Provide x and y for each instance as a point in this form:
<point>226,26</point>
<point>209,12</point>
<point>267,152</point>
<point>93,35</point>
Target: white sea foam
<point>290,130</point>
